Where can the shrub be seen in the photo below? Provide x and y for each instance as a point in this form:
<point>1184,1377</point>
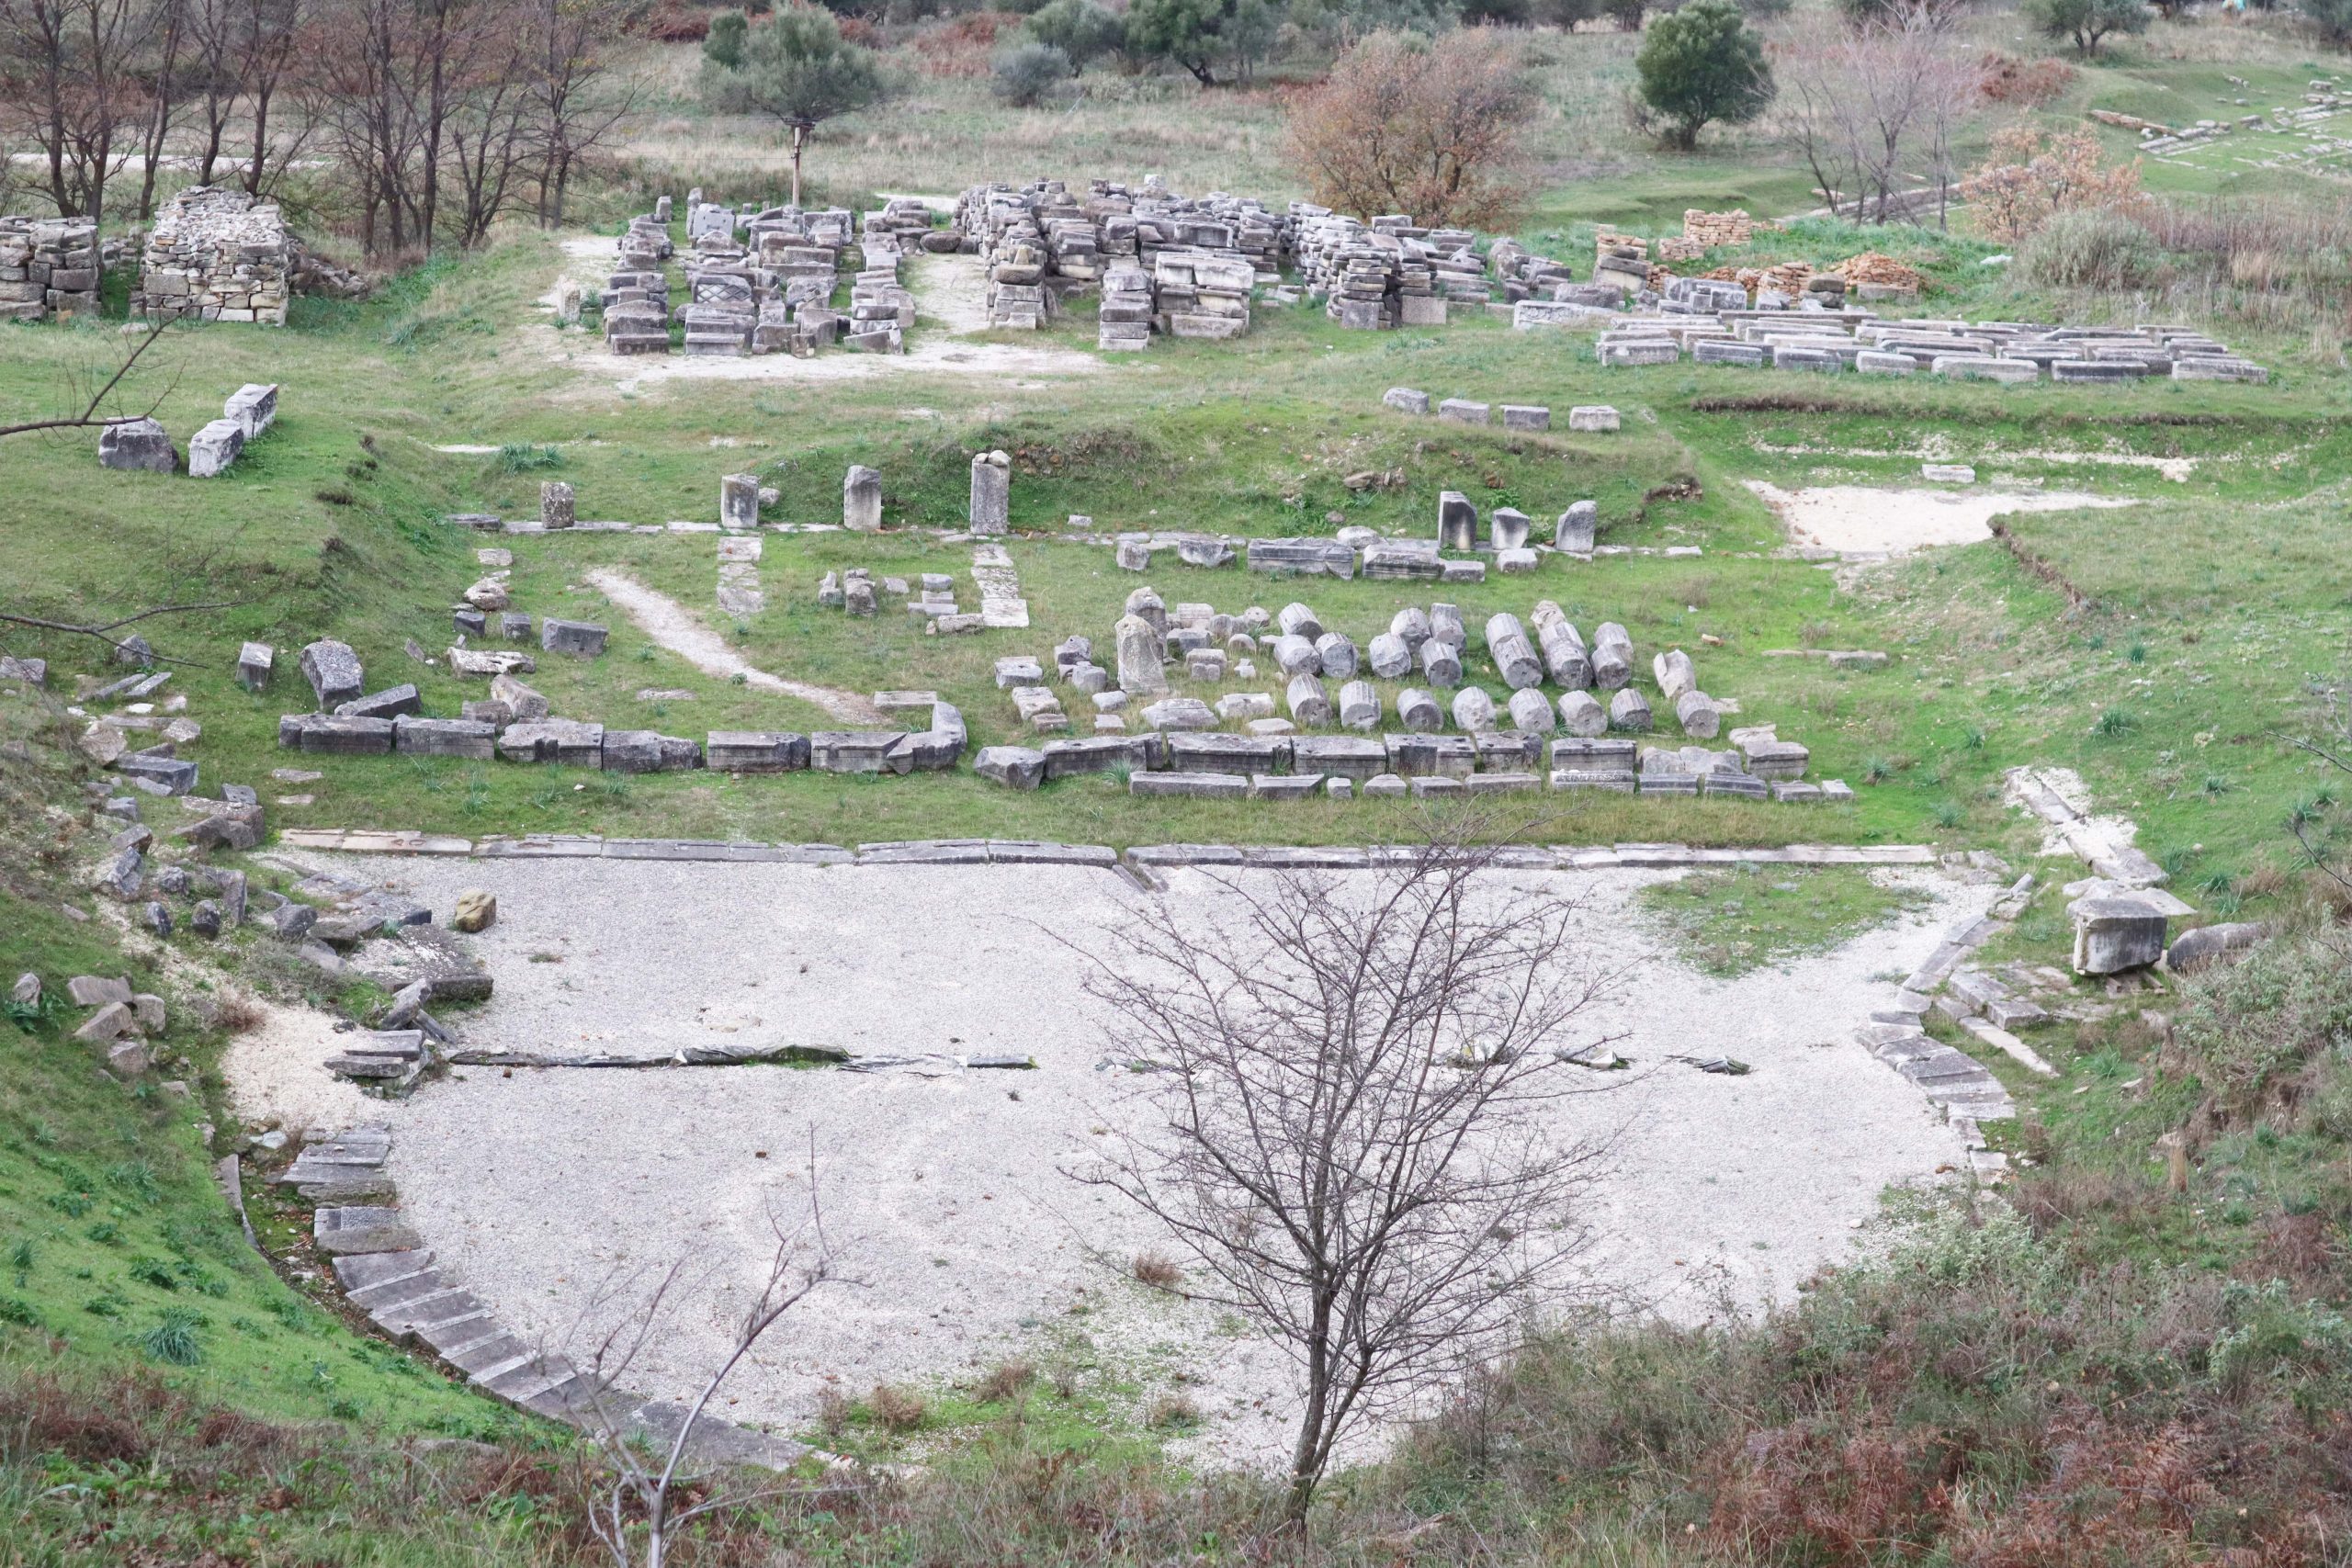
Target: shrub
<point>2251,1030</point>
<point>1432,127</point>
<point>1698,65</point>
<point>1079,29</point>
<point>2332,19</point>
<point>2029,84</point>
<point>2029,179</point>
<point>1159,1272</point>
<point>1029,74</point>
<point>961,47</point>
<point>723,45</point>
<point>896,1408</point>
<point>2085,22</point>
<point>2090,248</point>
<point>1626,14</point>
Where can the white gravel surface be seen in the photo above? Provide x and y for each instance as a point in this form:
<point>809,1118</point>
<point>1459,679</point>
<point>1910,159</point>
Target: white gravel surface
<point>961,1239</point>
<point>1864,519</point>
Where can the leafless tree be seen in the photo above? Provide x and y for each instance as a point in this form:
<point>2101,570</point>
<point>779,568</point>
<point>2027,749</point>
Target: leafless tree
<point>168,31</point>
<point>577,101</point>
<point>1349,1130</point>
<point>1870,101</point>
<point>239,54</point>
<point>70,84</point>
<point>635,1508</point>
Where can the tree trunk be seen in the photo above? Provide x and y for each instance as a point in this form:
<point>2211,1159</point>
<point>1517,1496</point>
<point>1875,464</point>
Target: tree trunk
<point>799,141</point>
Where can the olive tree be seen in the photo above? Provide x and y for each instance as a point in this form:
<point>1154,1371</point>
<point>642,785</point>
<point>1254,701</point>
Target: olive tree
<point>797,67</point>
<point>1700,65</point>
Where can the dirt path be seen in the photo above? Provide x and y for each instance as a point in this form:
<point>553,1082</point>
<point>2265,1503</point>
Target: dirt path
<point>952,291</point>
<point>669,624</point>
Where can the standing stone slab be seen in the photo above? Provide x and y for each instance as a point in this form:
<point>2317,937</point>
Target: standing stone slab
<point>739,502</point>
<point>1573,533</point>
<point>1142,657</point>
<point>992,498</point>
<point>1457,521</point>
<point>862,500</point>
<point>554,504</point>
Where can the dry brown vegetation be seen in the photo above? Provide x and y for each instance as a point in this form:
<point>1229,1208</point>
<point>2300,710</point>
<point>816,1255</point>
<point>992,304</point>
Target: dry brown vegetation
<point>1432,127</point>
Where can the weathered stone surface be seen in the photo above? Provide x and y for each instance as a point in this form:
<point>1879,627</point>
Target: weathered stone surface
<point>1014,767</point>
<point>1441,663</point>
<point>1574,534</point>
<point>1594,419</point>
<point>1457,521</point>
<point>991,494</point>
<point>2118,928</point>
<point>2194,950</point>
<point>1419,711</point>
<point>1307,701</point>
<point>586,637</point>
<point>1173,713</point>
<point>1697,715</point>
<point>140,444</point>
<point>739,501</point>
<point>330,735</point>
<point>1612,656</point>
<point>1336,656</point>
<point>554,504</point>
<point>1404,399</point>
<point>1142,662</point>
<point>1360,705</point>
<point>1629,711</point>
<point>1532,712</point>
<point>333,669</point>
<point>389,703</point>
<point>862,500</point>
<point>1094,754</point>
<point>476,910</point>
<point>1513,655</point>
<point>212,449</point>
<point>567,741</point>
<point>853,750</point>
<point>1192,787</point>
<point>1473,710</point>
<point>524,704</point>
<point>755,751</point>
<point>253,663</point>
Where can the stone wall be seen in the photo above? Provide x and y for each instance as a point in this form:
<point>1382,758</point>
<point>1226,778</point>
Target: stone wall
<point>47,267</point>
<point>218,254</point>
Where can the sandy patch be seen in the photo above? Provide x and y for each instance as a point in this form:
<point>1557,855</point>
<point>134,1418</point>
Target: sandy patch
<point>275,1074</point>
<point>1007,366</point>
<point>1864,519</point>
<point>947,1196</point>
<point>676,629</point>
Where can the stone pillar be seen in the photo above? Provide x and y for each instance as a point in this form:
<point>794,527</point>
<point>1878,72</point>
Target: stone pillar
<point>1141,657</point>
<point>554,504</point>
<point>991,508</point>
<point>1510,528</point>
<point>739,501</point>
<point>1457,521</point>
<point>1576,527</point>
<point>862,500</point>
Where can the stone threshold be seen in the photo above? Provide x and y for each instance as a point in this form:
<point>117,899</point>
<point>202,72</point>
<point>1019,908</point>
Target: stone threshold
<point>1023,852</point>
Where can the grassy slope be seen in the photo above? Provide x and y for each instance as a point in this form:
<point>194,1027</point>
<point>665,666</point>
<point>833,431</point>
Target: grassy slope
<point>2209,618</point>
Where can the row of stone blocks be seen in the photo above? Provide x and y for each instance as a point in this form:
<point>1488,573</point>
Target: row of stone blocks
<point>1602,762</point>
<point>144,443</point>
<point>581,744</point>
<point>1298,787</point>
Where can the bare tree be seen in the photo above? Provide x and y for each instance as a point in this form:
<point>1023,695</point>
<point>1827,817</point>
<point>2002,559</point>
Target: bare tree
<point>70,84</point>
<point>1349,1135</point>
<point>239,53</point>
<point>577,103</point>
<point>635,1509</point>
<point>1870,100</point>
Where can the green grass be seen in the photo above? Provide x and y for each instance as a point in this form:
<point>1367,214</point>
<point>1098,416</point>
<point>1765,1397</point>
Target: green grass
<point>1728,923</point>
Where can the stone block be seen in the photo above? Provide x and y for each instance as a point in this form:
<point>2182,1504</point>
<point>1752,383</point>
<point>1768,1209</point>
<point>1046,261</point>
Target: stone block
<point>566,741</point>
<point>1593,419</point>
<point>389,703</point>
<point>255,660</point>
<point>1014,767</point>
<point>1526,416</point>
<point>739,501</point>
<point>1191,786</point>
<point>554,504</point>
<point>583,638</point>
<point>1404,399</point>
<point>862,500</point>
<point>334,671</point>
<point>991,492</point>
<point>138,444</point>
<point>444,738</point>
<point>213,449</point>
<point>755,752</point>
<point>1463,412</point>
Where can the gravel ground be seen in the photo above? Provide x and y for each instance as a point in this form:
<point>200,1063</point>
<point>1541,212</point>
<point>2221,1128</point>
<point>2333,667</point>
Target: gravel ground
<point>959,1238</point>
